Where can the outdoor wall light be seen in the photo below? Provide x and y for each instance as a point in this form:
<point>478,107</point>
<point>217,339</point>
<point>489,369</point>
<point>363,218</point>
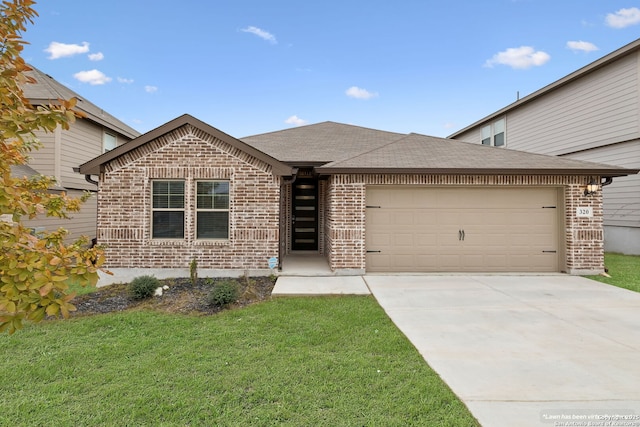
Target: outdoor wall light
<point>591,189</point>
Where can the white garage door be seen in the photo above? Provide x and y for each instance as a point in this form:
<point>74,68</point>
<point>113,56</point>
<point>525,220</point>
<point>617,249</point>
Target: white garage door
<point>418,229</point>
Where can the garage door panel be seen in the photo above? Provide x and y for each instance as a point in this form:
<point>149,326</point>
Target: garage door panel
<point>419,229</point>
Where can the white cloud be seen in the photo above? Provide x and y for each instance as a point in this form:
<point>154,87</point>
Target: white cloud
<point>261,33</point>
<point>93,77</point>
<point>150,89</point>
<point>296,121</point>
<point>60,50</point>
<point>99,56</point>
<point>124,80</point>
<point>623,18</point>
<point>522,57</point>
<point>581,46</point>
<point>359,93</point>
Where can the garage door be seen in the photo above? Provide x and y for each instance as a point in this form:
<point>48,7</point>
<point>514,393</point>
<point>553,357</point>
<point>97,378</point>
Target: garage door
<point>418,229</point>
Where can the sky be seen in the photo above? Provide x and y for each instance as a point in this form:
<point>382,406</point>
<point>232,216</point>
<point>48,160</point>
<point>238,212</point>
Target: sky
<point>253,66</point>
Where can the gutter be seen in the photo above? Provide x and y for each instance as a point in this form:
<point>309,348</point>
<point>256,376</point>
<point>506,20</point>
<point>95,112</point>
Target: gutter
<point>86,177</point>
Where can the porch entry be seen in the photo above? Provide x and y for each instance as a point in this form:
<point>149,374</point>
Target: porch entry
<point>304,215</point>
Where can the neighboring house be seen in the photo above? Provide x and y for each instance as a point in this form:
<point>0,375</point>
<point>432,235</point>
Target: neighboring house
<point>64,150</point>
<point>367,200</point>
<point>591,114</point>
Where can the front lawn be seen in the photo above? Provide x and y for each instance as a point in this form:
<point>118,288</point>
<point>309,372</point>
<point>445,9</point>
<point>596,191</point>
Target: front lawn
<point>623,269</point>
<point>334,361</point>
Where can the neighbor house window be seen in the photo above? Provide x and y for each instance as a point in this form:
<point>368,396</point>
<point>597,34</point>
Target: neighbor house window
<point>494,134</point>
<point>167,210</point>
<point>109,142</point>
<point>212,210</point>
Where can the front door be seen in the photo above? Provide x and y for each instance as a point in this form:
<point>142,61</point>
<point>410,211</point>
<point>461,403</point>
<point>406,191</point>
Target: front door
<point>304,219</point>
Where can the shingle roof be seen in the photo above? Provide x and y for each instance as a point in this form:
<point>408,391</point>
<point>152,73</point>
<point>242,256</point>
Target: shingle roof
<point>47,90</point>
<point>320,143</point>
<point>339,148</point>
<point>426,154</point>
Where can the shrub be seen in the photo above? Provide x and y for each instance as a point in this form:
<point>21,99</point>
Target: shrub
<point>143,287</point>
<point>224,293</point>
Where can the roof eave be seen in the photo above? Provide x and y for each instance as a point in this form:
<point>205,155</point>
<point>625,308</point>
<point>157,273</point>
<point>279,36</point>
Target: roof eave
<point>612,173</point>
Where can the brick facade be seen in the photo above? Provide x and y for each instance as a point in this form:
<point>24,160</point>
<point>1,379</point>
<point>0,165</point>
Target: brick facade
<point>260,209</point>
<point>124,200</point>
<point>582,250</point>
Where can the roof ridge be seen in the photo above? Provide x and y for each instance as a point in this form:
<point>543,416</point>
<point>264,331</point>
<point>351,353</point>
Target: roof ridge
<point>337,162</point>
<point>317,124</point>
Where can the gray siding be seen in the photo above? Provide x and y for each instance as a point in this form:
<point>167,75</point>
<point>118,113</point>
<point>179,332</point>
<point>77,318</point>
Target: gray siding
<point>600,108</point>
<point>81,143</point>
<point>81,223</point>
<point>622,197</point>
<point>42,159</point>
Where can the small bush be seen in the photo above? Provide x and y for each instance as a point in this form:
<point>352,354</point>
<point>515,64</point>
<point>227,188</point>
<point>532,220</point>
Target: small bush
<point>143,287</point>
<point>224,293</point>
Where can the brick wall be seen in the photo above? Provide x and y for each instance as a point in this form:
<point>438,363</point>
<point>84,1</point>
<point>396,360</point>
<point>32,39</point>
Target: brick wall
<point>124,205</point>
<point>582,249</point>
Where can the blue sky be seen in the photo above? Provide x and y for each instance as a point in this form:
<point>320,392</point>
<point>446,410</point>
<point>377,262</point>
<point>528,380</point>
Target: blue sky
<point>254,66</point>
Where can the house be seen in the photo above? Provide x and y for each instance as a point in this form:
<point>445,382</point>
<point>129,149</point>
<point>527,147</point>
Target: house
<point>64,150</point>
<point>590,114</point>
<point>366,200</point>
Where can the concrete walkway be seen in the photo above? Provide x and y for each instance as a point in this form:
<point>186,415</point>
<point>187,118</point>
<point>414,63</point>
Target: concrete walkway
<point>327,285</point>
<point>524,350</point>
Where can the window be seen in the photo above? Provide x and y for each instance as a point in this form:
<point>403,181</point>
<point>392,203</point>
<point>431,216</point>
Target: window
<point>494,134</point>
<point>167,210</point>
<point>212,210</point>
<point>109,142</point>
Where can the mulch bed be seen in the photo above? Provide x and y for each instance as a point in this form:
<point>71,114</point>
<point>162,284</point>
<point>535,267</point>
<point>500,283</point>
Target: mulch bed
<point>182,297</point>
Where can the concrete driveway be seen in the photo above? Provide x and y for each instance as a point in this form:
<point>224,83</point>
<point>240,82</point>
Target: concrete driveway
<point>550,350</point>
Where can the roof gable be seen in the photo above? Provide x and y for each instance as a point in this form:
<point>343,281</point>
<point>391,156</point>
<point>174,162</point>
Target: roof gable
<point>47,90</point>
<point>94,166</point>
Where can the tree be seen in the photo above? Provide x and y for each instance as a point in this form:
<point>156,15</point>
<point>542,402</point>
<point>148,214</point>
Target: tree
<point>35,271</point>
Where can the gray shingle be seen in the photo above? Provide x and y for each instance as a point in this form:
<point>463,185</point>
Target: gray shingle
<point>320,143</point>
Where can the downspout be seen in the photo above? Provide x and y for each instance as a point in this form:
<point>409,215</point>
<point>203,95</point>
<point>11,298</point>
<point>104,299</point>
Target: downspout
<point>608,180</point>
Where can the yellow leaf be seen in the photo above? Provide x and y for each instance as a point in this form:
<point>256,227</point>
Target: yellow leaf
<point>46,289</point>
<point>53,309</point>
<point>10,307</point>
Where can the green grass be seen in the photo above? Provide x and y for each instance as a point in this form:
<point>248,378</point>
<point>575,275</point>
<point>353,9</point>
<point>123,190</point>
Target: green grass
<point>624,271</point>
<point>326,361</point>
<point>79,289</point>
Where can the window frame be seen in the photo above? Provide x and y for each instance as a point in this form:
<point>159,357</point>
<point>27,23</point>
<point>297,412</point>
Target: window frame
<point>489,132</point>
<point>104,145</point>
<point>154,209</point>
<point>198,209</point>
